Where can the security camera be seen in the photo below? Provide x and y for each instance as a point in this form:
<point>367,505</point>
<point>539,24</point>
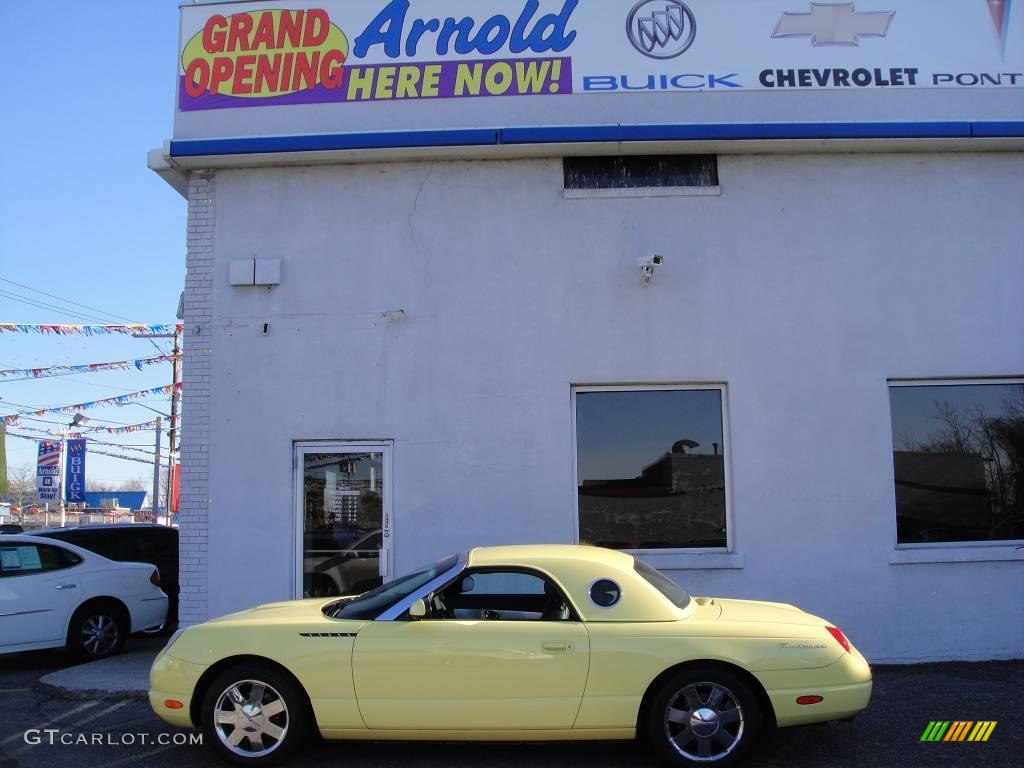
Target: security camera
<point>647,266</point>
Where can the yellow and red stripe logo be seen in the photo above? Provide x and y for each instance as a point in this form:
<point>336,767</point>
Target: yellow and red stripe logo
<point>958,730</point>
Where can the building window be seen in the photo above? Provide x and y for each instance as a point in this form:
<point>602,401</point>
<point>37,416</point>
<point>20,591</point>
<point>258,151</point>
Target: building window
<point>640,175</point>
<point>651,470</point>
<point>344,517</point>
<point>958,447</point>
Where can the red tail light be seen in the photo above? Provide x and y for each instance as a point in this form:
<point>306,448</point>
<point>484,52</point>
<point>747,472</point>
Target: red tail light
<point>837,633</point>
<point>154,577</point>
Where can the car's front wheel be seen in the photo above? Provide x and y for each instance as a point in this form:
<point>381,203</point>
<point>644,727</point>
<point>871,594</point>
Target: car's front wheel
<point>704,716</point>
<point>254,716</point>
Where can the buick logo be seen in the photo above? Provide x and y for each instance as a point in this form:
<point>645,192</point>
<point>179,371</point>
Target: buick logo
<point>661,29</point>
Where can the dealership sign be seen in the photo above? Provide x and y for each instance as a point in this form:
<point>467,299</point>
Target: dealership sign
<point>48,471</point>
<point>235,55</point>
<point>75,471</point>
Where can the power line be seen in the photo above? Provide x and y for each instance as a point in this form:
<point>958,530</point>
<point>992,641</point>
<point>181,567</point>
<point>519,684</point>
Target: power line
<point>52,307</point>
<point>77,304</point>
<point>33,409</point>
<point>67,301</point>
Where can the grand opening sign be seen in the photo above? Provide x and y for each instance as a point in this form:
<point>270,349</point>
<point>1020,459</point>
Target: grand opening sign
<point>236,55</point>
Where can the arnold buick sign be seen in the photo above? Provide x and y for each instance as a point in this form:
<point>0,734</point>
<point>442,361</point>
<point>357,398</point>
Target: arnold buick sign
<point>340,67</point>
<point>361,52</point>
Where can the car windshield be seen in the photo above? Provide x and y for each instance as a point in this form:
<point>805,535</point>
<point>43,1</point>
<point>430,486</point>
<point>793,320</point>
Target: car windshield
<point>678,596</point>
<point>371,604</point>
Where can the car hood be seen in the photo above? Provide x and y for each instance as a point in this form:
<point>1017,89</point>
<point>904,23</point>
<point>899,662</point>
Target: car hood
<point>299,610</point>
<point>768,613</point>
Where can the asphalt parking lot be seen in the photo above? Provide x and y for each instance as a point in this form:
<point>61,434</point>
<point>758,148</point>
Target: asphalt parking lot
<point>127,733</point>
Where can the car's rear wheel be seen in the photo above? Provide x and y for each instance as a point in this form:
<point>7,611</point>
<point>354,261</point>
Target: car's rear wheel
<point>704,716</point>
<point>97,630</point>
<point>254,716</point>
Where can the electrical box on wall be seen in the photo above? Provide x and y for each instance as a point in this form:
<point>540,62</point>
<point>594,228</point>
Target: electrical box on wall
<point>242,272</point>
<point>254,272</point>
<point>268,272</point>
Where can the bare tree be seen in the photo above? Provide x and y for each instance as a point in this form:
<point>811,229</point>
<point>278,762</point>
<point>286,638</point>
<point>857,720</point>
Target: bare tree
<point>997,440</point>
<point>21,485</point>
<point>138,483</point>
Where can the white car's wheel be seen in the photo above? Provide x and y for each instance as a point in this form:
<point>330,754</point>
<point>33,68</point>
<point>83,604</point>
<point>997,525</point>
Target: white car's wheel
<point>97,629</point>
<point>706,716</point>
<point>254,716</point>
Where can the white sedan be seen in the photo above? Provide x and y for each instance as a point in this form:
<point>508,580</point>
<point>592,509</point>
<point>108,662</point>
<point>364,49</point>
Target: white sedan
<point>54,594</point>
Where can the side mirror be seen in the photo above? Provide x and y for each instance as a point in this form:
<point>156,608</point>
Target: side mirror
<point>418,609</point>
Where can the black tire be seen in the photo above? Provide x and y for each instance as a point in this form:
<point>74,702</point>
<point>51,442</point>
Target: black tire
<point>262,739</point>
<point>98,629</point>
<point>704,716</point>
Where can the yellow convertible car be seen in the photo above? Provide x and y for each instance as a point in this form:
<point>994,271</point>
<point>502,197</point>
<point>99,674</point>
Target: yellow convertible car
<point>511,644</point>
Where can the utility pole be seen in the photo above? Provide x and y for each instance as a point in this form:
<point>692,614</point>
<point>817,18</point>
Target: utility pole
<point>176,377</point>
<point>60,477</point>
<point>176,363</point>
<point>156,471</point>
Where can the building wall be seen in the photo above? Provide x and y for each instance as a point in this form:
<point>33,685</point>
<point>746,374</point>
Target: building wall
<point>194,502</point>
<point>804,286</point>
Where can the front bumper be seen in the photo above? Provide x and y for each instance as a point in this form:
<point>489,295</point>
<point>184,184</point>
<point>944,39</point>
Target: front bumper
<point>172,679</point>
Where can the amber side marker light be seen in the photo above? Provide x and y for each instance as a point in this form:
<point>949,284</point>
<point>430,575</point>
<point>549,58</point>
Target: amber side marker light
<point>809,699</point>
<point>173,704</point>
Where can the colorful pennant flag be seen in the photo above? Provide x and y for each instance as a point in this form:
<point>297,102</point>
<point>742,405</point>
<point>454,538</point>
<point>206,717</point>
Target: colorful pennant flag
<point>15,420</point>
<point>91,450</point>
<point>130,329</point>
<point>58,370</point>
<point>119,400</point>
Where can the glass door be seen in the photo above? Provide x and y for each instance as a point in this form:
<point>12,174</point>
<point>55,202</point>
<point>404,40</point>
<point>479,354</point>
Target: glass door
<point>344,517</point>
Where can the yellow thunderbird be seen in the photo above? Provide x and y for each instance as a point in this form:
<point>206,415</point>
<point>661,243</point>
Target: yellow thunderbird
<point>511,643</point>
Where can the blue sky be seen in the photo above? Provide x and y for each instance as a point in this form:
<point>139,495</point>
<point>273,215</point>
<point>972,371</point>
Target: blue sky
<point>90,91</point>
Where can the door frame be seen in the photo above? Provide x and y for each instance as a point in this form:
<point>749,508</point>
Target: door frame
<point>302,447</point>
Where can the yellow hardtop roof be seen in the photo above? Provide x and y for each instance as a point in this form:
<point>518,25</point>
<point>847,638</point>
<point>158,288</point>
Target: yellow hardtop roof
<point>524,554</point>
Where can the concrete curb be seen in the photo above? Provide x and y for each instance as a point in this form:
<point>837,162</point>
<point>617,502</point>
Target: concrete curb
<point>125,676</point>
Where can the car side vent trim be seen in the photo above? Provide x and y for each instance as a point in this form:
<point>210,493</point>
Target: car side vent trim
<point>327,634</point>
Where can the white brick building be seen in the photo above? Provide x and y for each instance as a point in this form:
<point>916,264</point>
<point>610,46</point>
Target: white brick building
<point>460,349</point>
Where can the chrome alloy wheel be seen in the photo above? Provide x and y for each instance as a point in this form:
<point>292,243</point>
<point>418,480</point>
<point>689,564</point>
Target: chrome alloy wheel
<point>704,722</point>
<point>100,634</point>
<point>251,718</point>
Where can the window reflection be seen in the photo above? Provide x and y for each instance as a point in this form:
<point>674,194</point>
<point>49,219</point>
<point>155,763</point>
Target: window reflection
<point>651,468</point>
<point>342,525</point>
<point>957,458</point>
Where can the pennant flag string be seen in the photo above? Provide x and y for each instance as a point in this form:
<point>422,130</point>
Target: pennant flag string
<point>119,400</point>
<point>60,370</point>
<point>91,450</point>
<point>130,329</point>
<point>92,440</point>
<point>16,419</point>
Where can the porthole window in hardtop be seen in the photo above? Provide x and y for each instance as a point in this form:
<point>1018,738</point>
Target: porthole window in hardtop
<point>605,593</point>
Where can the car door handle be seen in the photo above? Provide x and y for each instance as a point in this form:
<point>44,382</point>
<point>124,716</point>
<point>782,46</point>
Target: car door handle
<point>557,647</point>
<point>65,586</point>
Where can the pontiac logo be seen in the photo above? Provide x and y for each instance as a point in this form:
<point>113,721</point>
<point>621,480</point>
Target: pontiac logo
<point>834,25</point>
<point>661,29</point>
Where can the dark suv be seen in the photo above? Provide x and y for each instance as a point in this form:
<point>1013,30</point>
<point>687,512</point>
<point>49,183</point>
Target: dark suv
<point>131,542</point>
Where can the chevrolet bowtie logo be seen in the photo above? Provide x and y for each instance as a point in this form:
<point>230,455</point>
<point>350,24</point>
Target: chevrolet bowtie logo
<point>834,24</point>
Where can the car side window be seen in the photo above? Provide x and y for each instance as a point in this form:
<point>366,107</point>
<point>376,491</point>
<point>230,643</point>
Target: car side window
<point>19,559</point>
<point>501,595</point>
